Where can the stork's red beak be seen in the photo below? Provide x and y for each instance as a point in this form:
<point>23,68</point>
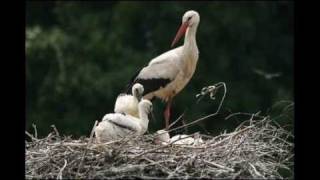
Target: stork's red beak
<point>180,33</point>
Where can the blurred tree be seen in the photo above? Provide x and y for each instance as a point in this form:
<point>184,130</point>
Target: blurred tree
<point>80,55</point>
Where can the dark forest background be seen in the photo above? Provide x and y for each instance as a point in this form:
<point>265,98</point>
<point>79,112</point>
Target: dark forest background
<point>81,55</point>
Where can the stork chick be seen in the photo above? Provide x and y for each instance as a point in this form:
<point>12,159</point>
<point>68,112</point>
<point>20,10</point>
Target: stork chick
<point>116,125</point>
<point>128,104</point>
<point>162,137</point>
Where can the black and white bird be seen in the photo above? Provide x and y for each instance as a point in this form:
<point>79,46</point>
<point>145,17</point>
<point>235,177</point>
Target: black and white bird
<point>166,75</point>
<point>128,104</point>
<point>116,125</point>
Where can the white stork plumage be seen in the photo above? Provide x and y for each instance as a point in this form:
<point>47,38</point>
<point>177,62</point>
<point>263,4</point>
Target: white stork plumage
<point>116,125</point>
<point>128,104</point>
<point>163,137</point>
<point>166,75</point>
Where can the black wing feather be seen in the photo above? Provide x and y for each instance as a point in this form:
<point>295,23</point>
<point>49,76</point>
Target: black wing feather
<point>149,85</point>
<point>122,126</point>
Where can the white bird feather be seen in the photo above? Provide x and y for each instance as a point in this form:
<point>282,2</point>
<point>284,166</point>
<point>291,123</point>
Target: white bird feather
<point>167,74</point>
<point>128,104</point>
<point>115,125</point>
<point>163,138</point>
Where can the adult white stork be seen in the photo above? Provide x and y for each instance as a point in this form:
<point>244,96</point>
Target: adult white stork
<point>166,75</point>
<point>128,104</point>
<point>116,125</point>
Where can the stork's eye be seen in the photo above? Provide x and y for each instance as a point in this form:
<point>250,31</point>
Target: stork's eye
<point>189,18</point>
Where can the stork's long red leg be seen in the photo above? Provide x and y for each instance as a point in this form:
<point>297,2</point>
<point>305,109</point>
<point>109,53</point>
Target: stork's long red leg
<point>167,113</point>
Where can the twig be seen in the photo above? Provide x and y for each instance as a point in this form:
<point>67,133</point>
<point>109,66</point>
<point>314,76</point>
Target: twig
<point>219,166</point>
<point>31,136</point>
<point>231,136</point>
<point>85,151</point>
<point>59,176</point>
<point>55,130</point>
<point>158,163</point>
<point>252,116</point>
<point>242,113</point>
<point>208,116</point>
<point>255,171</point>
<point>35,131</point>
<point>173,123</point>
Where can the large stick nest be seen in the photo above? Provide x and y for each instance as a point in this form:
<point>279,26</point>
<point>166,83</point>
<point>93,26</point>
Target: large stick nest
<point>256,149</point>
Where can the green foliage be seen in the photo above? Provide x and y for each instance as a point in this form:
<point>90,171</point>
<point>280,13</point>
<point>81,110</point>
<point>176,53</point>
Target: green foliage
<point>80,56</point>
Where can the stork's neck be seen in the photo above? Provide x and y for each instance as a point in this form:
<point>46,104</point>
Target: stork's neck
<point>144,118</point>
<point>190,43</point>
